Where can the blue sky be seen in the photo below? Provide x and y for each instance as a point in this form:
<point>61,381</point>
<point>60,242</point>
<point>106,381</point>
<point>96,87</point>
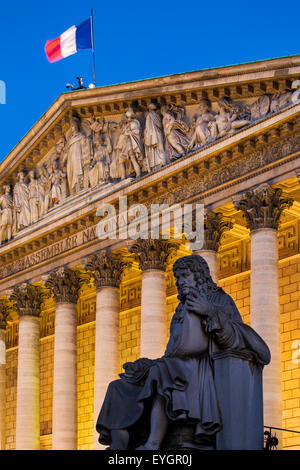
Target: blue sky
<point>133,40</point>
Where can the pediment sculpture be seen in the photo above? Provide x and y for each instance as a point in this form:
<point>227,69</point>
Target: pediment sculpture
<point>98,151</point>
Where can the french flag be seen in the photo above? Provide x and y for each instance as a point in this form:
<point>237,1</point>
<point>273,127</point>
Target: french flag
<point>69,42</point>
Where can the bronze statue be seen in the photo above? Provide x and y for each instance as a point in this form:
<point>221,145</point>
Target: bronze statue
<point>206,391</point>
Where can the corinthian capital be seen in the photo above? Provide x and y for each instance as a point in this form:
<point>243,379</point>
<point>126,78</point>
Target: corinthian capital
<point>5,310</point>
<point>106,269</point>
<point>214,226</point>
<point>64,284</point>
<point>28,299</point>
<point>262,207</point>
<point>153,254</point>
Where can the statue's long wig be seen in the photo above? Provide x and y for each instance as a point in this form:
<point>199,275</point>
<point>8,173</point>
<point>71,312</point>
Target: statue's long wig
<point>199,267</point>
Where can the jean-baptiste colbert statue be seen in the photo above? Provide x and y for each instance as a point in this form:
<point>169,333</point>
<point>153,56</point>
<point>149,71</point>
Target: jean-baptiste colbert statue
<point>206,391</point>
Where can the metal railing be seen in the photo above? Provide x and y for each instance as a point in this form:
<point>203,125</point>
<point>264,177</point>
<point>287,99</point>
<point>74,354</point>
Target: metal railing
<point>271,441</point>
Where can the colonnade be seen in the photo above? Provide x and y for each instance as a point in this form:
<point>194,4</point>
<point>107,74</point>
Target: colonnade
<point>262,209</point>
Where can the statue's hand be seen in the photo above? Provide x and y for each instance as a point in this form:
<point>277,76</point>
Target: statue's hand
<point>199,304</point>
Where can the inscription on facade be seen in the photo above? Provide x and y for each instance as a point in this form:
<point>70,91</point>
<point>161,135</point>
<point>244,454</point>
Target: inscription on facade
<point>49,252</point>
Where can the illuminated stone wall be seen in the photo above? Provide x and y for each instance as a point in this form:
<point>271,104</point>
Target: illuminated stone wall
<point>238,286</point>
<point>290,342</point>
<point>85,384</point>
<point>11,397</point>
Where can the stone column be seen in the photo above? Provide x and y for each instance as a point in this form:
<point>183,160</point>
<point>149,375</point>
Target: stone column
<point>262,209</point>
<point>28,301</point>
<point>4,315</point>
<point>214,227</point>
<point>106,269</point>
<point>65,284</point>
<point>153,257</point>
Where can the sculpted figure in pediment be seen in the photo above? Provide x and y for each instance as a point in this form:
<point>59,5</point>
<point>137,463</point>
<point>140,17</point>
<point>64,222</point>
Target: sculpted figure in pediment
<point>99,170</point>
<point>6,214</point>
<point>205,128</point>
<point>21,203</point>
<point>176,132</point>
<point>260,107</point>
<point>129,146</point>
<point>232,116</point>
<point>44,188</point>
<point>104,161</point>
<point>73,157</point>
<point>154,138</point>
<point>34,197</point>
<point>280,100</point>
<point>56,179</point>
<point>116,168</point>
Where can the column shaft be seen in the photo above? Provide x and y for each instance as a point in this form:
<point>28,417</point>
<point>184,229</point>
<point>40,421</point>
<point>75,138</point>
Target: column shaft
<point>64,425</point>
<point>106,346</point>
<point>211,257</point>
<point>265,315</point>
<point>153,314</point>
<point>2,389</point>
<point>28,384</point>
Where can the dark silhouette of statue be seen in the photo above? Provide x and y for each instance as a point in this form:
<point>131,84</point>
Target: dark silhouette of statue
<point>206,391</point>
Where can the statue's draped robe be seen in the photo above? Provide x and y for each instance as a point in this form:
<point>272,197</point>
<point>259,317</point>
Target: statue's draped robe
<point>222,356</point>
<point>74,160</point>
<point>21,205</point>
<point>154,140</point>
<point>6,205</point>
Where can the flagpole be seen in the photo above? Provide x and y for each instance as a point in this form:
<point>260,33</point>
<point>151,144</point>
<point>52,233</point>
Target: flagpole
<point>93,49</point>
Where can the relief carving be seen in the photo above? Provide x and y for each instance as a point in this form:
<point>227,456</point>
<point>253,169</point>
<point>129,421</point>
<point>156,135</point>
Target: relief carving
<point>21,203</point>
<point>73,157</point>
<point>176,132</point>
<point>96,152</point>
<point>154,139</point>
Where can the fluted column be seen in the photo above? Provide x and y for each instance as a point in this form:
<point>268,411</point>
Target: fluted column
<point>214,227</point>
<point>65,284</point>
<point>262,209</point>
<point>153,257</point>
<point>4,315</point>
<point>106,270</point>
<point>28,301</point>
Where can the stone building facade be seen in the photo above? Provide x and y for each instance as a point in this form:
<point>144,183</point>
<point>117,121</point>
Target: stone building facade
<point>74,307</point>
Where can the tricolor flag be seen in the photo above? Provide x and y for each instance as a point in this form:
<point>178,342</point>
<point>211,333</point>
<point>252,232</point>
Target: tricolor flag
<point>69,42</point>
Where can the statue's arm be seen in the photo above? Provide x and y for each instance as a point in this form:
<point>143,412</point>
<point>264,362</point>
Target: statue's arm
<point>221,327</point>
<point>229,332</point>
